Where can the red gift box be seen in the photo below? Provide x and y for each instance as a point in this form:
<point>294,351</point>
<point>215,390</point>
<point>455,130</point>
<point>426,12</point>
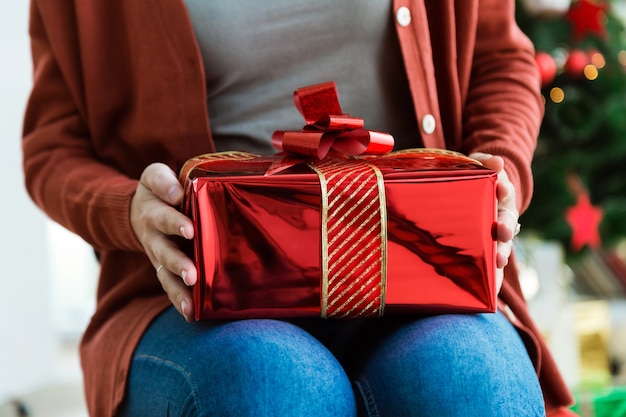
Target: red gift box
<point>411,231</point>
<point>338,227</point>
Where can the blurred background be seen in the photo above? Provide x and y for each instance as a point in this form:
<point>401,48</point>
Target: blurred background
<point>47,275</point>
<point>572,250</point>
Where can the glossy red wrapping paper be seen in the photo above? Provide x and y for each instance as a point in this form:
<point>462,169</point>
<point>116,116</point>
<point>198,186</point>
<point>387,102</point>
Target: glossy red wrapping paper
<point>264,243</point>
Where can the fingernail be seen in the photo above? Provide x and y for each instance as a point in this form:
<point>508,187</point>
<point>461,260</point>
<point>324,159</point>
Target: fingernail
<point>183,307</point>
<point>174,194</point>
<point>183,275</point>
<point>182,232</point>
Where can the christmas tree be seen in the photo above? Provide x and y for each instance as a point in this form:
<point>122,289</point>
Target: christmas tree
<point>580,162</point>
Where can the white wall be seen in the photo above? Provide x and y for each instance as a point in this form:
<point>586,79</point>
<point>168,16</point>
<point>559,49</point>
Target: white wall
<point>26,334</point>
<point>46,274</point>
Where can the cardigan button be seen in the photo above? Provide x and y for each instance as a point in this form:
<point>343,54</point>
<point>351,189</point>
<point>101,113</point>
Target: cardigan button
<point>403,16</point>
<point>428,124</point>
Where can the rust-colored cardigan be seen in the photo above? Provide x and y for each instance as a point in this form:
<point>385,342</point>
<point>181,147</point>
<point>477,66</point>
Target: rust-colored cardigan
<point>120,84</point>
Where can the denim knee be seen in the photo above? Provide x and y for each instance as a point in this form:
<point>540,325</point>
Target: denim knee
<point>272,368</point>
<point>241,368</point>
<point>452,365</point>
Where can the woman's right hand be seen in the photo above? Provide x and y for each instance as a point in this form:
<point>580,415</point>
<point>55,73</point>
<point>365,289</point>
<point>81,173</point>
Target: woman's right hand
<point>155,220</point>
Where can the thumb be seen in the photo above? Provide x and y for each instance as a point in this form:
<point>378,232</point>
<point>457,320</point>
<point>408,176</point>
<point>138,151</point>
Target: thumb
<point>163,182</point>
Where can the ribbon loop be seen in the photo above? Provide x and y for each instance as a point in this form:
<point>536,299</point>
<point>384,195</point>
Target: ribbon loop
<point>316,101</point>
<point>328,127</point>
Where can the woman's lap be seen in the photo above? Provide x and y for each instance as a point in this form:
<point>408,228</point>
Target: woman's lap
<point>453,365</point>
<point>459,365</point>
<point>234,369</point>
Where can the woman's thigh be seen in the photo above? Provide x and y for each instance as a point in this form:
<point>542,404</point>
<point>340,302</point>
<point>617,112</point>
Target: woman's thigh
<point>240,368</point>
<point>451,365</point>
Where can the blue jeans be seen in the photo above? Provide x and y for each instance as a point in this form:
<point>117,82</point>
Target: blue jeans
<point>449,365</point>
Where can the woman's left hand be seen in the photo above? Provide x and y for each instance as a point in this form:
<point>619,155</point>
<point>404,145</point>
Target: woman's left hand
<point>507,222</point>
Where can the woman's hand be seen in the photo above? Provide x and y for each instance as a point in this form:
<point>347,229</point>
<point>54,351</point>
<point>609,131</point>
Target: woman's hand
<point>155,220</point>
<point>507,225</point>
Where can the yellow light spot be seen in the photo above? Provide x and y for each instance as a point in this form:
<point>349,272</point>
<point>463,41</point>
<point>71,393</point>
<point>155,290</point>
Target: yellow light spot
<point>591,72</point>
<point>622,57</point>
<point>557,95</point>
<point>597,59</point>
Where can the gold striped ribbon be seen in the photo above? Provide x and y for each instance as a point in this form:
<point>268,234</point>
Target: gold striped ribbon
<point>353,238</point>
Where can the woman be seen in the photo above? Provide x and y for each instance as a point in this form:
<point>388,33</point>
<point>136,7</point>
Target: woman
<point>123,95</point>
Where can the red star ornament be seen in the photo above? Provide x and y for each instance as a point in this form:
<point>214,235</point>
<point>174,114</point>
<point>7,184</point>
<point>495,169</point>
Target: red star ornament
<point>588,16</point>
<point>584,219</point>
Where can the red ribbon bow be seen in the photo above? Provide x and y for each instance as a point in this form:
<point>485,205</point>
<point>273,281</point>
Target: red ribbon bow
<point>328,127</point>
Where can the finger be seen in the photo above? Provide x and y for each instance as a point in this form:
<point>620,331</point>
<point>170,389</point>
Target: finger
<point>507,224</point>
<point>175,261</point>
<point>505,191</point>
<point>150,209</point>
<point>499,279</point>
<point>494,162</point>
<point>503,253</point>
<point>162,181</point>
<point>480,156</point>
<point>490,161</point>
<point>172,222</point>
<point>505,232</point>
<point>178,294</point>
